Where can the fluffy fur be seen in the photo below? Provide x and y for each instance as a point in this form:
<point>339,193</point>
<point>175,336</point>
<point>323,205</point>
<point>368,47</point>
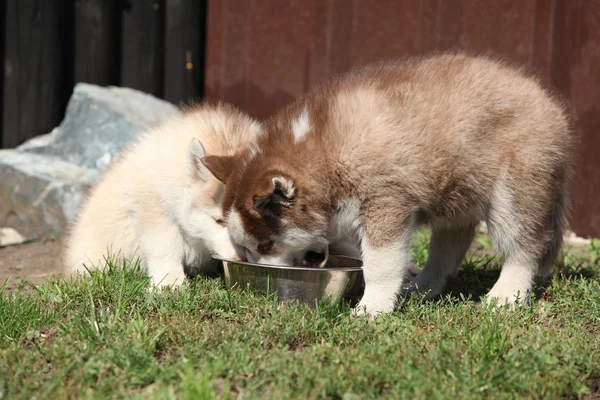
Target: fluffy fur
<point>159,203</point>
<point>447,140</point>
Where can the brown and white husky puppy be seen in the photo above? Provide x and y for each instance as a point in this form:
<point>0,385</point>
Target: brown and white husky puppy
<point>446,140</point>
<point>158,202</point>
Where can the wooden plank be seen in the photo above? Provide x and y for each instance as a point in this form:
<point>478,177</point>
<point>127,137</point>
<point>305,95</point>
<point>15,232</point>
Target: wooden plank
<point>385,29</point>
<point>576,72</point>
<point>11,124</point>
<point>342,25</point>
<point>235,51</point>
<point>2,35</point>
<point>184,49</point>
<point>38,77</point>
<point>215,50</point>
<point>277,63</point>
<point>142,51</point>
<point>262,54</point>
<point>429,39</point>
<point>319,52</point>
<point>541,48</point>
<point>501,27</point>
<point>97,41</point>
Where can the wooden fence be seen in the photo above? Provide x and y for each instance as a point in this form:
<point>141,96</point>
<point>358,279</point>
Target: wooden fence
<point>156,46</point>
<point>261,54</point>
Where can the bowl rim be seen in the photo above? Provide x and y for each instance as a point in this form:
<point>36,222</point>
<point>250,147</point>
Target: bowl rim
<point>293,268</point>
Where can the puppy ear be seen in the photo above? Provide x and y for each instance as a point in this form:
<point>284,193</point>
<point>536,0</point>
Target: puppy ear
<point>283,193</point>
<point>219,166</point>
<point>195,170</point>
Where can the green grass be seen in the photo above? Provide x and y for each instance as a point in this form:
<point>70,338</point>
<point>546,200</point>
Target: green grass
<point>107,336</point>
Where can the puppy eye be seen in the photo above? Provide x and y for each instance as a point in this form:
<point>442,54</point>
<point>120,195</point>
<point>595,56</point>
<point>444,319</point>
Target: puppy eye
<point>219,221</point>
<point>265,247</point>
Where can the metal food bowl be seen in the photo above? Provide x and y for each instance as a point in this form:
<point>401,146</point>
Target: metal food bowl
<point>341,278</point>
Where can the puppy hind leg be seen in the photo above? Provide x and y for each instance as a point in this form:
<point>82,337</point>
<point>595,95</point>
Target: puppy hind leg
<point>519,236</point>
<point>556,227</point>
<point>447,250</point>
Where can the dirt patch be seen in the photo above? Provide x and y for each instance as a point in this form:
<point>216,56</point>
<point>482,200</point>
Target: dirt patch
<point>31,262</point>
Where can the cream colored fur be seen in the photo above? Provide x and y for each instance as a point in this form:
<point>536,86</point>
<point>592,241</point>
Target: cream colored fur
<point>158,202</point>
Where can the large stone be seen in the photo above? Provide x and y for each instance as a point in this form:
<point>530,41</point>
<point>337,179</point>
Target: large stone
<point>99,122</point>
<point>43,181</point>
<point>39,194</point>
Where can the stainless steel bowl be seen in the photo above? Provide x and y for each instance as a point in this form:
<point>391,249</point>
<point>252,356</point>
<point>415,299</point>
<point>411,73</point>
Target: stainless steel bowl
<point>341,278</point>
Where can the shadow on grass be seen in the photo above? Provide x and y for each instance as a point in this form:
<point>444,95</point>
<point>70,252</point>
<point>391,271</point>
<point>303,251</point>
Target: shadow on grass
<point>572,266</point>
<point>478,274</point>
<point>475,277</point>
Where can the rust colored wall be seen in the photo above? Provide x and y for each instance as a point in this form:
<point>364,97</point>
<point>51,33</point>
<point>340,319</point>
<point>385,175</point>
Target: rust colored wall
<point>575,71</point>
<point>261,54</point>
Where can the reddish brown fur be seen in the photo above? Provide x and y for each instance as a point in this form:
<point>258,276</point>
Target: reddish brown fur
<point>448,140</point>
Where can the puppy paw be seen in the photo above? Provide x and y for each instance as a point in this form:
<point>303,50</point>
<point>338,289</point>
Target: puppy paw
<point>374,307</point>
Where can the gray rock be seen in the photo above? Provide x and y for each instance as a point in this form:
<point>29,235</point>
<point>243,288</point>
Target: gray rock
<point>43,181</point>
<point>39,194</point>
<point>99,123</point>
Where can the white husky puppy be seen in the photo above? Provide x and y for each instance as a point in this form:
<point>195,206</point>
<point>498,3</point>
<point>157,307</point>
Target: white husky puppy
<point>446,141</point>
<point>158,202</point>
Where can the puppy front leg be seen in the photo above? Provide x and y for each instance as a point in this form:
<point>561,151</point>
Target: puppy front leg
<point>163,250</point>
<point>386,264</point>
<point>166,272</point>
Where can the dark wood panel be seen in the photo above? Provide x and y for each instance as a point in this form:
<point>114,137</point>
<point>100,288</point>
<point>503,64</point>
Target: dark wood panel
<point>38,75</point>
<point>541,49</point>
<point>501,27</point>
<point>277,64</point>
<point>319,46</point>
<point>215,50</point>
<point>2,35</point>
<point>340,36</point>
<point>184,50</point>
<point>142,54</point>
<point>385,29</point>
<point>235,51</point>
<point>429,39</point>
<point>97,41</point>
<point>262,53</point>
<point>576,72</point>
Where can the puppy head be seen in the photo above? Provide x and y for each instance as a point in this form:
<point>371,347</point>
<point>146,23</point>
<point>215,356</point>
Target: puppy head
<point>277,211</point>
